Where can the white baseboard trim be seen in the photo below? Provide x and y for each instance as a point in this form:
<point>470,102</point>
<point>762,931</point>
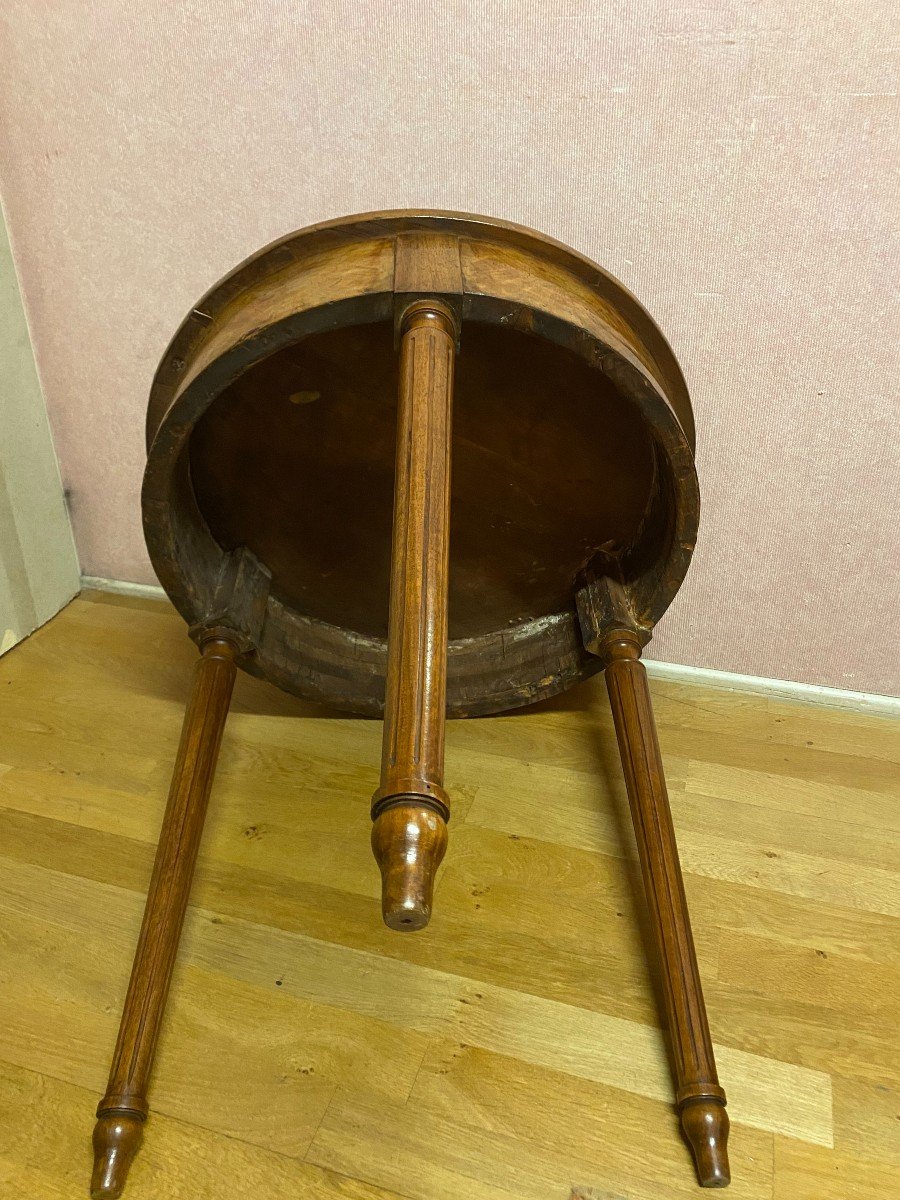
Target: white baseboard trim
<point>776,689</point>
<point>95,583</point>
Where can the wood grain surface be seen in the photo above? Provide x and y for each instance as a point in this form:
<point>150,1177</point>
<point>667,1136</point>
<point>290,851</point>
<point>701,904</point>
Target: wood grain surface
<point>511,1051</point>
<point>700,1098</point>
<point>410,809</point>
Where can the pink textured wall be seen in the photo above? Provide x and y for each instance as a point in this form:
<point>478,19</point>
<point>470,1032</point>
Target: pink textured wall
<point>733,163</point>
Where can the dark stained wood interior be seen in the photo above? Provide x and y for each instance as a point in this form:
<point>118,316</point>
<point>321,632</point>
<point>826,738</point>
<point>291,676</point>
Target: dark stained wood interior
<point>296,462</point>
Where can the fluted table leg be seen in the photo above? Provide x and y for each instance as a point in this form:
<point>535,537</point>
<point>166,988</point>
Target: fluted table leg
<point>123,1110</point>
<point>410,808</point>
<point>700,1099</point>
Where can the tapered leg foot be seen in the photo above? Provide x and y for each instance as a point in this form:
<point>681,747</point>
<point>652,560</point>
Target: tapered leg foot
<point>705,1125</point>
<point>116,1141</point>
<point>409,842</point>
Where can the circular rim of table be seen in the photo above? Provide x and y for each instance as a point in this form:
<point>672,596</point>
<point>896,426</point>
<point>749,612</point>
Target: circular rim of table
<point>309,657</point>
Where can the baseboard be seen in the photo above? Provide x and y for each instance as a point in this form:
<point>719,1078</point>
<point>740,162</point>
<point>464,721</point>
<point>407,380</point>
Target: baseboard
<point>777,689</point>
<point>150,591</point>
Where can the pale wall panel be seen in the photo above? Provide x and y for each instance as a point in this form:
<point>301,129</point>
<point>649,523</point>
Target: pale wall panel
<point>38,566</point>
<point>733,163</point>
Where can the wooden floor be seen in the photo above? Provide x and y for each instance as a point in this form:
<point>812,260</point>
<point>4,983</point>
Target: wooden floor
<point>509,1052</point>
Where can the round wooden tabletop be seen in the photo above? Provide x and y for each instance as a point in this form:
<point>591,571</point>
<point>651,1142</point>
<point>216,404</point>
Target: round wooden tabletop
<point>272,427</point>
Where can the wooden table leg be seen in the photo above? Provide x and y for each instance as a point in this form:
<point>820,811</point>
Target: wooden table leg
<point>700,1099</point>
<point>410,809</point>
<point>123,1110</point>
